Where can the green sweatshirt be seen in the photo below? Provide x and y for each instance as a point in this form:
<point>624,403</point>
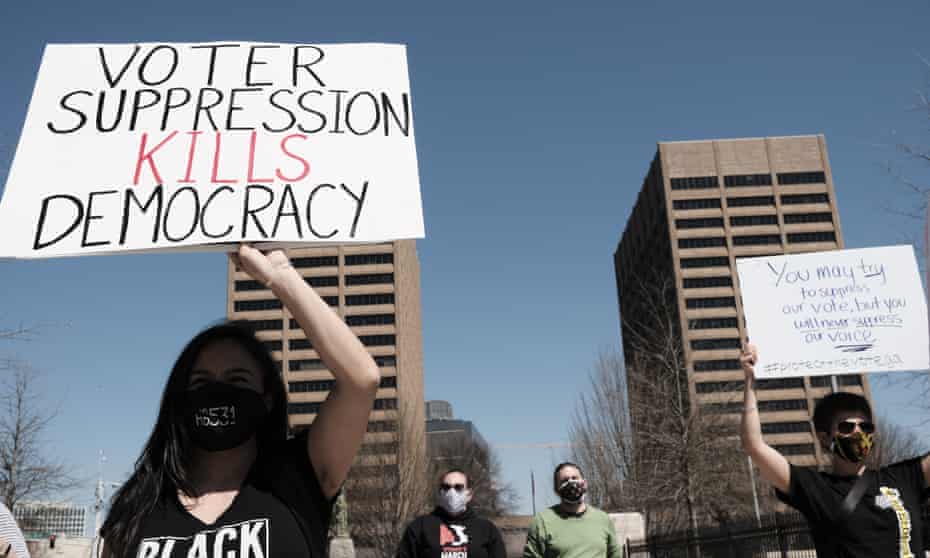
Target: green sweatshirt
<point>556,535</point>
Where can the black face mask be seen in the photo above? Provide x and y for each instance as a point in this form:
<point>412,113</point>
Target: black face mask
<point>221,416</point>
<point>572,491</point>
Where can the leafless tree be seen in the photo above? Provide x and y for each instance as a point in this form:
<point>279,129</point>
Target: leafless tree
<point>894,443</point>
<point>643,443</point>
<point>26,469</point>
<point>388,487</point>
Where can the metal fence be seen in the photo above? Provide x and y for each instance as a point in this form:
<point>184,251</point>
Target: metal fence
<point>780,536</point>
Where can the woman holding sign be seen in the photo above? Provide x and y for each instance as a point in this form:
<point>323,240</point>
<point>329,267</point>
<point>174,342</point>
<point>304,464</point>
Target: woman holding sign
<point>852,511</point>
<point>217,476</point>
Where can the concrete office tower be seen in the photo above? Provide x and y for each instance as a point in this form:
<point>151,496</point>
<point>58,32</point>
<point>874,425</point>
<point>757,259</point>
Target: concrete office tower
<point>375,288</point>
<point>703,205</point>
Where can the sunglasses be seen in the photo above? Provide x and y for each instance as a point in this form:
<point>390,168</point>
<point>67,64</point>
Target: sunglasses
<point>848,426</point>
<point>447,487</point>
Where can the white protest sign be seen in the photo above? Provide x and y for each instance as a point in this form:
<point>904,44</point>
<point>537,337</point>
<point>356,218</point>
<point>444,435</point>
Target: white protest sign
<point>170,146</point>
<point>837,312</point>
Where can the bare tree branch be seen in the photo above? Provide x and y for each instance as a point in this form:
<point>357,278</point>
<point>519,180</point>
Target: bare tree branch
<point>26,471</point>
<point>388,487</point>
<point>643,443</point>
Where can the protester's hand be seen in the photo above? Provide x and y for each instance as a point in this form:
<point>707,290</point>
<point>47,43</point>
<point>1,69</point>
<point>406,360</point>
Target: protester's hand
<point>264,268</point>
<point>748,361</point>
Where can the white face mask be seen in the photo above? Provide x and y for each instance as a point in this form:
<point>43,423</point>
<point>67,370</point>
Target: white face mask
<point>453,501</point>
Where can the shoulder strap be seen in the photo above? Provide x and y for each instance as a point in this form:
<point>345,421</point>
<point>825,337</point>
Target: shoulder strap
<point>854,496</point>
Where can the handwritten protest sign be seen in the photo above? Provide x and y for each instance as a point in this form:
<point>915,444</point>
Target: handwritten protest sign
<point>168,146</point>
<point>838,312</point>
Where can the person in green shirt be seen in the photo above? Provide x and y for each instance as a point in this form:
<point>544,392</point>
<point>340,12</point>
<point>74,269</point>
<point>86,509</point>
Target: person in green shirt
<point>571,528</point>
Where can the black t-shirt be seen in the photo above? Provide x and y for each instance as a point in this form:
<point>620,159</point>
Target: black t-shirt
<point>887,518</point>
<point>280,512</point>
<point>438,535</point>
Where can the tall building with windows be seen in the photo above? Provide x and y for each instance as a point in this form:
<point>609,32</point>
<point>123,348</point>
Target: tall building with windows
<point>704,205</point>
<point>375,288</point>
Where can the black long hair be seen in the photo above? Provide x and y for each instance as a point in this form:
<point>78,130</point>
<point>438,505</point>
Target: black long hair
<point>164,467</point>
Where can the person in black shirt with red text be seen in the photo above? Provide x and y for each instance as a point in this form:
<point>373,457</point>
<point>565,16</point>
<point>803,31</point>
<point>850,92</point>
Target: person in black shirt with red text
<point>218,477</point>
<point>452,530</point>
<point>853,512</point>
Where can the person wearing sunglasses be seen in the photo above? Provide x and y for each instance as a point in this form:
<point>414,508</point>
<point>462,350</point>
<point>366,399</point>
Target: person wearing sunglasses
<point>853,511</point>
<point>452,530</point>
<point>572,528</point>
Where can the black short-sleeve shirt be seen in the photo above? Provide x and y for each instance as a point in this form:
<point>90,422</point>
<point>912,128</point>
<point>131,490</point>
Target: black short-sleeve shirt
<point>887,518</point>
<point>280,512</point>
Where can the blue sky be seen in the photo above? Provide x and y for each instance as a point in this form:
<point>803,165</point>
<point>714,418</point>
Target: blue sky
<point>536,123</point>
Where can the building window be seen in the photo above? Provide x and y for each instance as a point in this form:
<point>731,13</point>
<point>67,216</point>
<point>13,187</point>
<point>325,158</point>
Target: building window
<point>370,319</point>
<point>249,286</point>
<point>369,259</point>
<point>377,340</point>
<point>305,364</point>
<point>721,261</point>
<point>310,386</point>
<point>751,201</point>
<point>714,344</point>
<point>369,299</point>
<point>756,239</point>
<point>694,183</point>
<point>713,365</point>
<point>324,281</point>
<point>382,426</point>
<point>315,261</point>
<point>256,305</point>
<point>703,223</point>
<point>789,178</point>
<point>711,302</point>
<point>780,383</point>
<point>314,407</point>
<point>704,203</point>
<point>712,323</point>
<point>272,345</point>
<point>845,380</point>
<point>722,408</point>
<point>303,408</point>
<point>753,220</point>
<point>797,199</point>
<point>385,361</point>
<point>823,236</point>
<point>703,242</point>
<point>736,180</point>
<point>369,279</point>
<point>794,449</point>
<point>785,427</point>
<point>717,387</point>
<point>328,385</point>
<point>299,344</point>
<point>794,218</point>
<point>707,282</point>
<point>384,404</point>
<point>783,405</point>
<point>264,325</point>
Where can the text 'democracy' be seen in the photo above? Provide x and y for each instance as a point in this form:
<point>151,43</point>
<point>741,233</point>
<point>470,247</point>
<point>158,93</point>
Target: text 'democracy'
<point>170,146</point>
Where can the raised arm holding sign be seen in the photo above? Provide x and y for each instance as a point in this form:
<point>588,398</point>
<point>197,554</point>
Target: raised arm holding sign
<point>852,511</point>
